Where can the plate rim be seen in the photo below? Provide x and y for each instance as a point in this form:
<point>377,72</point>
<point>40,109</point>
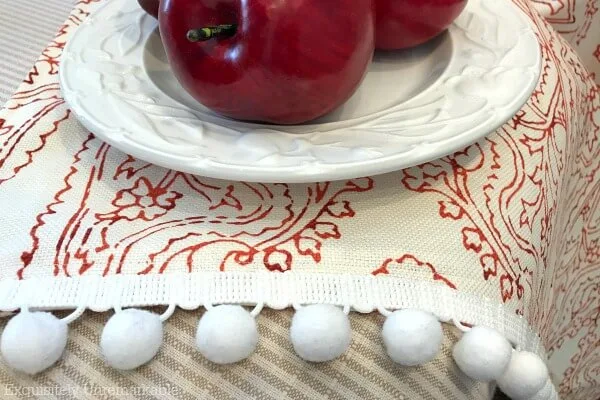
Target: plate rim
<point>294,174</point>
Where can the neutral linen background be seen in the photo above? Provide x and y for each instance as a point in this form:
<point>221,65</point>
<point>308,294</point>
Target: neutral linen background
<point>26,27</point>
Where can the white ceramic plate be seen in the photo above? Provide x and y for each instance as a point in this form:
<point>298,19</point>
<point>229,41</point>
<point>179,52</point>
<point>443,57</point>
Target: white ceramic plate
<point>413,106</point>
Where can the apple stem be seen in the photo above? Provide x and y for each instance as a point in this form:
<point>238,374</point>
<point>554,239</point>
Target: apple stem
<point>209,32</point>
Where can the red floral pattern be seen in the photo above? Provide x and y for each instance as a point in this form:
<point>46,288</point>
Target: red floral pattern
<point>577,21</point>
<point>412,261</point>
<point>514,217</point>
<point>163,218</point>
<point>143,201</point>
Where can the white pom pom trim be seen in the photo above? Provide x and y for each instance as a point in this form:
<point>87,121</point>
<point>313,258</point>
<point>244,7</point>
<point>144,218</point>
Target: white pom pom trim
<point>525,376</point>
<point>483,354</point>
<point>227,334</point>
<point>412,337</point>
<point>34,341</point>
<point>320,332</point>
<point>131,338</point>
<point>300,332</point>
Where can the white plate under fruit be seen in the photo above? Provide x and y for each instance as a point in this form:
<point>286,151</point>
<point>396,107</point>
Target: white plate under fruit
<point>412,107</point>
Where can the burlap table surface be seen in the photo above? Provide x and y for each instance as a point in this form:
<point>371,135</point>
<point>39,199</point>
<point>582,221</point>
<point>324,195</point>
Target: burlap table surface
<point>510,220</point>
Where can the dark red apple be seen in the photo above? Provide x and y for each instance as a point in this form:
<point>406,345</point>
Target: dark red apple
<point>407,23</point>
<point>278,61</point>
<point>150,6</point>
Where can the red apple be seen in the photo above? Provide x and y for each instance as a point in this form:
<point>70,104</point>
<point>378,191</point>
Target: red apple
<point>277,61</point>
<point>407,23</point>
<point>150,6</point>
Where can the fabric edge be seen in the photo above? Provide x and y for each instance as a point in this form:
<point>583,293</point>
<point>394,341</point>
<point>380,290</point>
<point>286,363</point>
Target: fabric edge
<point>362,294</point>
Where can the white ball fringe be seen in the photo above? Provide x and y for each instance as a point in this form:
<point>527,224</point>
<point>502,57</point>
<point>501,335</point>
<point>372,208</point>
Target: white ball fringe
<point>545,393</point>
<point>320,332</point>
<point>131,338</point>
<point>482,354</point>
<point>33,341</point>
<point>226,334</point>
<point>412,337</point>
<point>525,376</point>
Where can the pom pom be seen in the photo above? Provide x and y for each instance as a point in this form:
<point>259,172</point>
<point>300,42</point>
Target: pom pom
<point>546,392</point>
<point>226,334</point>
<point>412,337</point>
<point>320,332</point>
<point>482,354</point>
<point>525,376</point>
<point>33,341</point>
<point>131,338</point>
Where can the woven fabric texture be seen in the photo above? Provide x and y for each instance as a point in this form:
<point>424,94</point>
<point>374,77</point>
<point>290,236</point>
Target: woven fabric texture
<point>510,221</point>
<point>26,28</point>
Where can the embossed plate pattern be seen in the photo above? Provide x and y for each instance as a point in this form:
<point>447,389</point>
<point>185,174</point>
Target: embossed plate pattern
<point>412,107</point>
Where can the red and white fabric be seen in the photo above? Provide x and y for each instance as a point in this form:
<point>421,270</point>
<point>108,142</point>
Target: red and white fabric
<point>510,224</point>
